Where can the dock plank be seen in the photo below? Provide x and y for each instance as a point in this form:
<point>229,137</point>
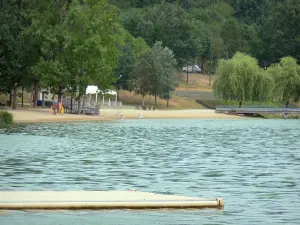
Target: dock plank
<point>100,200</point>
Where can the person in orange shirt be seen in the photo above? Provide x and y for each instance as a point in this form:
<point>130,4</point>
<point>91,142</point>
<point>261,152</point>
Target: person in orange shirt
<point>59,107</point>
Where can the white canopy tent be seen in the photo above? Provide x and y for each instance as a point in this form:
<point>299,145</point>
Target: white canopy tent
<point>94,90</point>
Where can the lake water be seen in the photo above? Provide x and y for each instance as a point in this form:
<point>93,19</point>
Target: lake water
<point>253,164</point>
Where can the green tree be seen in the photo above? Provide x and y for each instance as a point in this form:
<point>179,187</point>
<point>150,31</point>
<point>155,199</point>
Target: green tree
<point>164,74</point>
<point>131,52</point>
<point>280,31</point>
<point>202,42</point>
<point>143,73</point>
<point>231,35</point>
<point>251,11</point>
<point>242,80</point>
<point>93,35</point>
<point>126,65</point>
<point>239,37</point>
<point>201,3</point>
<point>163,22</point>
<point>125,4</point>
<point>155,73</point>
<point>15,56</point>
<point>47,33</point>
<point>139,47</point>
<point>55,75</point>
<point>166,78</point>
<point>205,29</point>
<point>287,77</point>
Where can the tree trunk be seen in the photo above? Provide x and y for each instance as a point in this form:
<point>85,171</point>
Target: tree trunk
<point>187,74</point>
<point>43,99</point>
<point>155,100</point>
<point>287,103</point>
<point>22,96</point>
<point>79,97</point>
<point>35,93</point>
<point>10,99</point>
<point>71,103</point>
<point>14,98</point>
<point>118,92</point>
<point>209,80</point>
<point>203,65</point>
<point>143,100</point>
<point>83,105</point>
<point>59,92</point>
<point>167,103</point>
<point>240,104</point>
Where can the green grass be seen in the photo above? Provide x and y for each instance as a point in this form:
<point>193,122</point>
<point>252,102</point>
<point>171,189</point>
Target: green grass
<point>194,85</point>
<point>277,116</point>
<point>129,98</point>
<point>196,82</point>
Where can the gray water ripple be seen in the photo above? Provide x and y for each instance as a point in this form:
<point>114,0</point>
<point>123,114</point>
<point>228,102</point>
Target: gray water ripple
<point>253,164</point>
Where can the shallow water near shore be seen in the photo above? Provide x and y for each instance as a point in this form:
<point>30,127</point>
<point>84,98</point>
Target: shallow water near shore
<point>253,164</point>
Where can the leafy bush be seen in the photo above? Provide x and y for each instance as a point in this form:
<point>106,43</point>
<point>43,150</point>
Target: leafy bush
<point>6,118</point>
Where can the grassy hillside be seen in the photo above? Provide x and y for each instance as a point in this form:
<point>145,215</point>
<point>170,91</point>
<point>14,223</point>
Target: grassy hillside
<point>129,98</point>
<point>196,82</point>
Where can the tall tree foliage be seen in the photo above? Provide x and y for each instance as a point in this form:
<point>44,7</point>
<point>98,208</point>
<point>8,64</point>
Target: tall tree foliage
<point>14,53</point>
<point>155,73</point>
<point>47,30</point>
<point>130,53</point>
<point>281,31</point>
<point>141,81</point>
<point>163,22</point>
<point>68,44</point>
<point>242,80</point>
<point>78,42</point>
<point>287,77</point>
<point>215,33</point>
<point>92,36</point>
<point>166,78</point>
<point>250,11</point>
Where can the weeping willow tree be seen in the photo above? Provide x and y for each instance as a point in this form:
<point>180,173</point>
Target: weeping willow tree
<point>240,79</point>
<point>264,87</point>
<point>287,78</point>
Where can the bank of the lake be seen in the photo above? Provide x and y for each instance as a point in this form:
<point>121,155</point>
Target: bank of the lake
<point>42,115</point>
<point>253,164</point>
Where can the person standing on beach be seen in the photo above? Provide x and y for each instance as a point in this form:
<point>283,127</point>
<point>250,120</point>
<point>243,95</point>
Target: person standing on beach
<point>59,107</point>
<point>54,108</point>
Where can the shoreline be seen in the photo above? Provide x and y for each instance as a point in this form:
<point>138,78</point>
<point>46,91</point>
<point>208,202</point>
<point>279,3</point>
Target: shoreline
<point>26,116</point>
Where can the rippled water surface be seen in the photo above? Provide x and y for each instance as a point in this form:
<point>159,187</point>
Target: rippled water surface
<point>253,164</point>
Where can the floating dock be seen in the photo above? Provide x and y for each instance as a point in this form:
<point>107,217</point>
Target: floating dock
<point>97,200</point>
<point>236,110</point>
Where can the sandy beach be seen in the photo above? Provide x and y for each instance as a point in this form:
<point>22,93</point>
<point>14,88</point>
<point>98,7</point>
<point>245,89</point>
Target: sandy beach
<point>43,115</point>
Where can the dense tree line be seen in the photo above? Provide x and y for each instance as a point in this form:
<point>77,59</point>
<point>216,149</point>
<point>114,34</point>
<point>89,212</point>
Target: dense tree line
<point>64,45</point>
<point>241,79</point>
<point>215,29</point>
